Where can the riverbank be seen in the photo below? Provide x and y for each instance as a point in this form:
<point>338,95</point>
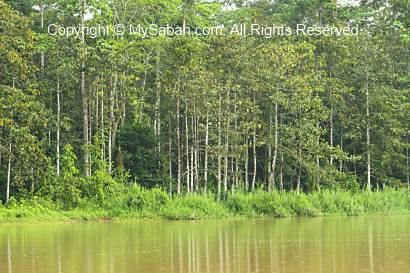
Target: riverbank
<point>142,203</point>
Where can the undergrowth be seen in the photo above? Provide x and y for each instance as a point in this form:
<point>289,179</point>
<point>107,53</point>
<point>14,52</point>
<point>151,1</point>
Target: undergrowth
<point>136,202</point>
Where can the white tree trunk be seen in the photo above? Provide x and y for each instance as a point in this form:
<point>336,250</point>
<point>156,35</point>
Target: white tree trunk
<point>157,119</point>
<point>341,147</point>
<point>206,152</point>
<point>254,160</point>
<point>300,170</point>
<point>8,175</point>
<point>170,158</point>
<point>275,152</point>
<point>331,120</point>
<point>187,149</point>
<point>226,150</point>
<point>58,128</point>
<point>192,154</point>
<point>178,149</point>
<point>268,184</point>
<point>110,124</point>
<point>368,187</point>
<point>85,125</point>
<point>90,121</point>
<point>236,176</point>
<point>9,162</point>
<point>282,162</point>
<point>219,178</point>
<point>102,125</point>
<point>407,163</point>
<point>254,145</point>
<point>246,164</point>
<point>196,154</point>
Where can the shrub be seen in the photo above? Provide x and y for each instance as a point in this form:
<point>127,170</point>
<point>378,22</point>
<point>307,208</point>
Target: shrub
<point>139,198</point>
<point>194,206</point>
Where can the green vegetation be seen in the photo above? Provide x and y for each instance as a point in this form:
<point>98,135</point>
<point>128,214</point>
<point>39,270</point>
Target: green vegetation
<point>135,202</point>
<point>191,126</point>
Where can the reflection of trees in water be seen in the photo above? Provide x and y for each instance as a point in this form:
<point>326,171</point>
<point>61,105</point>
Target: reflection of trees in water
<point>9,253</point>
<point>321,247</point>
<point>59,269</point>
<point>314,245</point>
<point>370,241</point>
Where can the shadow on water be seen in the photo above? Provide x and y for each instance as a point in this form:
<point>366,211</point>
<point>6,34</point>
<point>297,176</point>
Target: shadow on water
<point>369,244</point>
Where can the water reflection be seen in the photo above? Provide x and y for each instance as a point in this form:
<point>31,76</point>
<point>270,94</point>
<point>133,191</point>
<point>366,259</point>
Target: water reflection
<point>370,240</point>
<point>9,253</point>
<point>372,244</point>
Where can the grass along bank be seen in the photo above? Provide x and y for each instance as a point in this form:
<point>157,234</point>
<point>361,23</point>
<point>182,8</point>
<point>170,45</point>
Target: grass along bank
<point>138,202</point>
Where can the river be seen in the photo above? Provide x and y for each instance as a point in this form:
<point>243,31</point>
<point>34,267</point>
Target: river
<point>303,245</point>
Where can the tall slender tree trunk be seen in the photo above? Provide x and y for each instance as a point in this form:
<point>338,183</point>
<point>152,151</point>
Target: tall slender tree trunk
<point>97,108</point>
<point>407,163</point>
<point>170,157</point>
<point>116,121</point>
<point>84,97</point>
<point>298,182</point>
<point>187,148</point>
<point>282,162</point>
<point>331,136</point>
<point>58,128</point>
<point>275,152</point>
<point>90,132</point>
<point>268,177</point>
<point>254,144</point>
<point>317,179</point>
<point>32,181</point>
<point>341,147</point>
<point>226,175</point>
<point>236,176</point>
<point>42,58</point>
<point>219,178</point>
<point>9,160</point>
<point>300,170</point>
<point>196,153</point>
<point>246,164</point>
<point>85,125</point>
<point>368,186</point>
<point>8,174</point>
<point>233,176</point>
<point>102,125</point>
<point>124,104</point>
<point>354,162</point>
<point>111,123</point>
<point>206,152</point>
<point>192,154</point>
<point>157,120</point>
<point>331,118</point>
<point>254,160</point>
<point>178,148</point>
<point>226,150</point>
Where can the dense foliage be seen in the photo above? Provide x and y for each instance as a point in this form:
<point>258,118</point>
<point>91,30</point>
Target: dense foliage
<point>137,202</point>
<point>83,118</point>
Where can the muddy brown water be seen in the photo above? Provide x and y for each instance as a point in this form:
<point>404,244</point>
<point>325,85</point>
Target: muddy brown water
<point>329,245</point>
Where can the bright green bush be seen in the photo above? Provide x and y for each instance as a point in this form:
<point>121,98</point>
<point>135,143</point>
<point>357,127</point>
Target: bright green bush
<point>139,198</point>
<point>193,206</point>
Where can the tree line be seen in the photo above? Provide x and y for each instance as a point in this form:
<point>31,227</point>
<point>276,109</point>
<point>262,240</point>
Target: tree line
<point>203,114</point>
